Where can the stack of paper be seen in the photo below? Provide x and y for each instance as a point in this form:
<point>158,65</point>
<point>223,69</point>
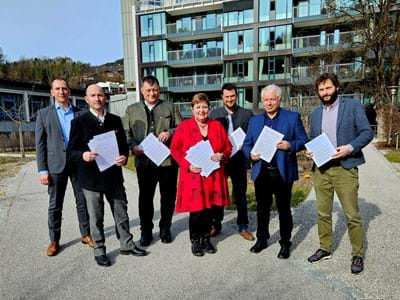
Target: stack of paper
<point>322,149</point>
<point>154,149</point>
<point>106,147</point>
<point>266,143</point>
<point>199,155</point>
<point>237,138</point>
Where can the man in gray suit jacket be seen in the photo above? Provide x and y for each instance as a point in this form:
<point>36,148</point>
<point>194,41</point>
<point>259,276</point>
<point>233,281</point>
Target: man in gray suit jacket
<point>345,123</point>
<point>53,126</point>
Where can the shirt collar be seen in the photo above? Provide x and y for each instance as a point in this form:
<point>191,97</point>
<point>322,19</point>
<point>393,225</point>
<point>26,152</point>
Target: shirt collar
<point>101,118</point>
<point>58,106</point>
<point>332,106</point>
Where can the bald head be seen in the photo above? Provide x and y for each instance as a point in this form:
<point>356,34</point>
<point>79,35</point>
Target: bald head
<point>95,98</point>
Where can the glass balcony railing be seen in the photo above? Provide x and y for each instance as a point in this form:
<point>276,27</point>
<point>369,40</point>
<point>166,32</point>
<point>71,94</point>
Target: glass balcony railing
<point>325,42</point>
<point>304,10</point>
<point>143,6</point>
<point>345,72</point>
<point>276,76</point>
<point>185,108</point>
<point>194,56</point>
<point>196,27</point>
<point>195,83</point>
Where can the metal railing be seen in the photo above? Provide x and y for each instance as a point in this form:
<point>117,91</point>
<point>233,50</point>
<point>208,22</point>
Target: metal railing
<point>329,42</point>
<point>191,28</point>
<point>194,55</point>
<point>185,108</point>
<point>196,82</point>
<point>144,6</point>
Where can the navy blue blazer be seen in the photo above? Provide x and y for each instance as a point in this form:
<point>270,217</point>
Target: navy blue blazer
<point>352,127</point>
<point>291,126</point>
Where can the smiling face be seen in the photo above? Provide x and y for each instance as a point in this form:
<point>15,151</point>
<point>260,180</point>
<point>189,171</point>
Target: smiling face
<point>60,91</point>
<point>151,93</point>
<point>271,102</point>
<point>95,98</point>
<point>327,92</point>
<point>200,111</point>
<point>230,99</point>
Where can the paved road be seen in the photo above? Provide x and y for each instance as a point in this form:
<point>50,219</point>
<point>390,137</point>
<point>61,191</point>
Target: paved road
<point>172,272</point>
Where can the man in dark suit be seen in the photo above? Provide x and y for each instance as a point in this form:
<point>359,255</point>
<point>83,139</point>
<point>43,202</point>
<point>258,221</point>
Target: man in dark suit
<point>232,116</point>
<point>53,125</point>
<point>345,123</point>
<point>96,184</point>
<point>276,177</point>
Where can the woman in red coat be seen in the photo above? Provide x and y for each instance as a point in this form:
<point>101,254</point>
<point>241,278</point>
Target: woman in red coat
<point>196,193</point>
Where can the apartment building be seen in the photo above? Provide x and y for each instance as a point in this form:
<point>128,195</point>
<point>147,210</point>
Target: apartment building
<point>195,46</point>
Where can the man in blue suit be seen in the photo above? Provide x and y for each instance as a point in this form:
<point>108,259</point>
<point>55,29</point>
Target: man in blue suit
<point>345,123</point>
<point>276,177</point>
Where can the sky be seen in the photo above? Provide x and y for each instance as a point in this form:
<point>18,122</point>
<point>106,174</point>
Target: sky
<point>89,31</point>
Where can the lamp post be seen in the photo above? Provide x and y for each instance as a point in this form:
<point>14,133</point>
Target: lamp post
<point>393,90</point>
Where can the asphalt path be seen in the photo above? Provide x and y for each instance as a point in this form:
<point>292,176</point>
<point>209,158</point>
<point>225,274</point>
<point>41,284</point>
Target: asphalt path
<point>172,272</point>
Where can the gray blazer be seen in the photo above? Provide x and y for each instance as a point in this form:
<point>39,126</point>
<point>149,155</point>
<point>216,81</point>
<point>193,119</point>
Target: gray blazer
<point>49,141</point>
<point>352,128</point>
<point>166,118</point>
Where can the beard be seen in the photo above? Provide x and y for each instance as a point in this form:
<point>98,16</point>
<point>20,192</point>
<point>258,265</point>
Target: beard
<point>332,100</point>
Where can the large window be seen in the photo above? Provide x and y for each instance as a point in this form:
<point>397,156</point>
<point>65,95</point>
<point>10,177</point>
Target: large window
<point>275,38</point>
<point>161,73</point>
<point>274,10</point>
<point>154,51</point>
<point>238,42</point>
<point>152,24</point>
<point>236,71</point>
<point>238,17</point>
<point>273,68</point>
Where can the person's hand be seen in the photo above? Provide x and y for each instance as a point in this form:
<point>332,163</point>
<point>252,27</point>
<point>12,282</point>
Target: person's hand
<point>137,151</point>
<point>309,154</point>
<point>163,136</point>
<point>342,151</point>
<point>283,145</point>
<point>89,156</point>
<point>45,179</point>
<point>120,160</point>
<point>217,157</point>
<point>255,156</point>
<point>194,169</point>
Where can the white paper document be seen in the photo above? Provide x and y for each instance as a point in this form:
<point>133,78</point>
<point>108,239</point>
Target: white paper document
<point>106,147</point>
<point>199,155</point>
<point>237,138</point>
<point>154,149</point>
<point>322,149</point>
<point>266,143</point>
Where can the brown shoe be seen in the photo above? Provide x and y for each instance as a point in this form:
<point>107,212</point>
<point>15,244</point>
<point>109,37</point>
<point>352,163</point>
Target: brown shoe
<point>88,241</point>
<point>247,235</point>
<point>53,249</point>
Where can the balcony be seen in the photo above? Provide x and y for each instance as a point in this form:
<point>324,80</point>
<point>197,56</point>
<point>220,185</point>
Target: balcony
<point>310,15</point>
<point>198,57</point>
<point>345,72</point>
<point>195,83</point>
<point>309,45</point>
<point>197,29</point>
<point>185,108</point>
<point>178,7</point>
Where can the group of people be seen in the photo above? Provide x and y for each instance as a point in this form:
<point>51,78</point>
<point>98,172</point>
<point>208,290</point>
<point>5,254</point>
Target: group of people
<point>63,133</point>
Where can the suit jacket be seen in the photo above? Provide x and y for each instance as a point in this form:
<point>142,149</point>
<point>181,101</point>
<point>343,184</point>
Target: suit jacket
<point>82,131</point>
<point>291,126</point>
<point>49,140</point>
<point>166,118</point>
<point>240,118</point>
<point>352,128</point>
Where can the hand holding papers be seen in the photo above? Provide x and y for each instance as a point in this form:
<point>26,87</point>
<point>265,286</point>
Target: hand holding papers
<point>200,156</point>
<point>322,149</point>
<point>106,147</point>
<point>237,138</point>
<point>266,143</point>
<point>154,149</point>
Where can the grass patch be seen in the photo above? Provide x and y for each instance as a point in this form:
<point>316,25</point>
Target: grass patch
<point>393,157</point>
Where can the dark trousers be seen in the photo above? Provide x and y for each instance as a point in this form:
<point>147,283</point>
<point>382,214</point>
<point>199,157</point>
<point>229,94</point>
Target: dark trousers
<point>199,224</point>
<point>56,190</point>
<point>238,174</point>
<point>148,177</point>
<point>268,183</point>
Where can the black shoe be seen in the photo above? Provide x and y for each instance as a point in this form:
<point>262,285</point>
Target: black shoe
<point>134,251</point>
<point>284,253</point>
<point>197,248</point>
<point>357,265</point>
<point>165,236</point>
<point>259,246</point>
<point>319,255</point>
<point>207,246</point>
<point>146,238</point>
<point>102,260</point>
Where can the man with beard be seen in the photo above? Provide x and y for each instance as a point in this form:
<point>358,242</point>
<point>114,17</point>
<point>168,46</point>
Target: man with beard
<point>345,123</point>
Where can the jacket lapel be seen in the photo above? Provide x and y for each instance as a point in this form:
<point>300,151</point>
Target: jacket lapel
<point>54,120</point>
<point>340,113</point>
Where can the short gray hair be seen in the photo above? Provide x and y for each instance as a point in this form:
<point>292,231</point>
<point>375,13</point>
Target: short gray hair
<point>272,87</point>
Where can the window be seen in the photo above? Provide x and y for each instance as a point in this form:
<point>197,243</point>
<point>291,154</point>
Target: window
<point>241,70</point>
<point>238,17</point>
<point>273,68</point>
<point>275,38</point>
<point>238,42</point>
<point>153,51</point>
<point>153,24</point>
<point>161,73</point>
<point>274,10</point>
